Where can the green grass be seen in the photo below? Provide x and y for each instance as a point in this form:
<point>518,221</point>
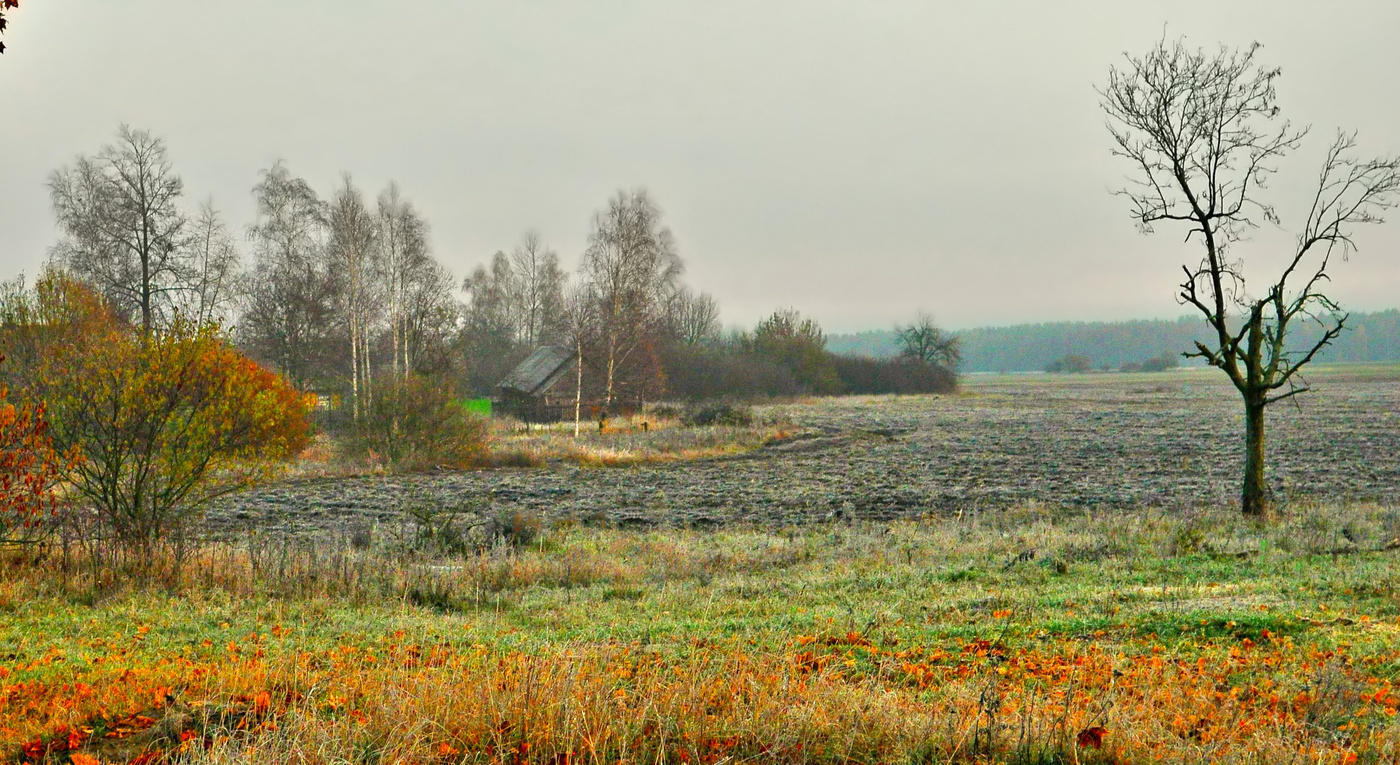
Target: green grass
<point>1027,579</point>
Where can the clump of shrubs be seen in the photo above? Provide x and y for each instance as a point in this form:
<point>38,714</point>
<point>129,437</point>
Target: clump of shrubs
<point>718,413</point>
<point>417,424</point>
<point>1159,363</point>
<point>1071,364</point>
<point>863,375</point>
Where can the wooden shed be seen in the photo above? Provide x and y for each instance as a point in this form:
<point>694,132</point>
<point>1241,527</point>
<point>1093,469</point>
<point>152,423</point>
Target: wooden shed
<point>526,391</point>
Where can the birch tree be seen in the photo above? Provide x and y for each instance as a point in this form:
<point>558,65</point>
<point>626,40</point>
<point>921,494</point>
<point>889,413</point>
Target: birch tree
<point>351,253</point>
<point>630,265</point>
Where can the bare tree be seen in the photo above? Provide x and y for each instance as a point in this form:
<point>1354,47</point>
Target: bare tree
<point>924,341</point>
<point>691,317</point>
<point>122,228</point>
<point>577,320</point>
<point>352,253</point>
<point>288,317</point>
<point>416,288</point>
<point>1203,133</point>
<point>430,316</point>
<point>212,275</point>
<point>538,289</point>
<point>490,299</point>
<point>629,266</point>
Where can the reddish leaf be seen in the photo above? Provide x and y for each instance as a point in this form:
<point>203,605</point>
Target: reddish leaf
<point>1092,738</point>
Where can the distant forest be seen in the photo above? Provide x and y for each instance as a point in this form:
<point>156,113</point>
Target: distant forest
<point>1033,347</point>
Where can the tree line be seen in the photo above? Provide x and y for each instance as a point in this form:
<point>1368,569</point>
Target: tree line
<point>1370,337</point>
<point>343,295</point>
<point>163,358</point>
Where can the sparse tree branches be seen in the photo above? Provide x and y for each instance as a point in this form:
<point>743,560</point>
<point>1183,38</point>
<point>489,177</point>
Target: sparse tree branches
<point>289,314</point>
<point>630,266</point>
<point>122,227</point>
<point>352,255</point>
<point>537,291</point>
<point>691,318</point>
<point>212,269</point>
<point>418,290</point>
<point>1203,133</point>
<point>925,342</point>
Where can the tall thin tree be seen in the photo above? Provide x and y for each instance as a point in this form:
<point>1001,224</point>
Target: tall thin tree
<point>123,230</point>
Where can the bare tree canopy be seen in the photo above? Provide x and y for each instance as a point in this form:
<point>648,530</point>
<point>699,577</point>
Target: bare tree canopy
<point>351,252</point>
<point>925,342</point>
<point>122,227</point>
<point>421,310</point>
<point>288,317</point>
<point>538,290</point>
<point>1203,132</point>
<point>630,265</point>
<point>215,281</point>
<point>692,317</point>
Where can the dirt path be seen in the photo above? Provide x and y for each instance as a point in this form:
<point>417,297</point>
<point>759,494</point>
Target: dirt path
<point>1098,441</point>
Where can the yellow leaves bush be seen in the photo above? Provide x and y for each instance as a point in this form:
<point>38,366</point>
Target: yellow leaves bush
<point>164,422</point>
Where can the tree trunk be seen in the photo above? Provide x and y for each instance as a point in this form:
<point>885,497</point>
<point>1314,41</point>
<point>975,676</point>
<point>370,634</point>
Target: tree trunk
<point>354,371</point>
<point>612,368</point>
<point>578,381</point>
<point>1255,493</point>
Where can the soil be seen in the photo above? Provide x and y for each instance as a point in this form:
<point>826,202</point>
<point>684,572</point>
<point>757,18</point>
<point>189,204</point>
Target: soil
<point>1096,442</point>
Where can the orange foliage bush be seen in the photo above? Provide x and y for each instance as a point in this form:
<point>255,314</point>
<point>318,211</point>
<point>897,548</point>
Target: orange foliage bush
<point>164,422</point>
<point>168,422</point>
<point>30,468</point>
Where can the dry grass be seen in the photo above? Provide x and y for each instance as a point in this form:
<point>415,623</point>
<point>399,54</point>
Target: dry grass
<point>624,441</point>
<point>645,439</point>
<point>995,637</point>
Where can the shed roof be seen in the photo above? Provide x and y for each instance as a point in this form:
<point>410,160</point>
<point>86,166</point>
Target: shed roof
<point>538,372</point>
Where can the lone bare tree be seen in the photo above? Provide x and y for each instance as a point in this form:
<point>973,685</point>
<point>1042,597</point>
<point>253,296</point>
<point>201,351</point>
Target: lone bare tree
<point>123,230</point>
<point>925,342</point>
<point>1203,133</point>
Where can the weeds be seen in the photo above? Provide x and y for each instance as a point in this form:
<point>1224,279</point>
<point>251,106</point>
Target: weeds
<point>896,642</point>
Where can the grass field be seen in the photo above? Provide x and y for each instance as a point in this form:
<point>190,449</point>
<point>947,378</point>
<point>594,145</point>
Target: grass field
<point>1018,636</point>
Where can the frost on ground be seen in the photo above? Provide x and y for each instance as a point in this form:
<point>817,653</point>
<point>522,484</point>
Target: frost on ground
<point>1100,442</point>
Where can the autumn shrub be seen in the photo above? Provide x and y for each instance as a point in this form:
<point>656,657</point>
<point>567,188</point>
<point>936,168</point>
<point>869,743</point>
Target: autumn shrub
<point>417,423</point>
<point>30,469</point>
<point>164,422</point>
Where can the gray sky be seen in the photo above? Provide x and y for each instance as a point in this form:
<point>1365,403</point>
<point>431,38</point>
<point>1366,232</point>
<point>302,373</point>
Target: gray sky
<point>859,161</point>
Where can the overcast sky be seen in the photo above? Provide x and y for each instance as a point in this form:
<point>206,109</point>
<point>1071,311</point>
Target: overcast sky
<point>859,161</point>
